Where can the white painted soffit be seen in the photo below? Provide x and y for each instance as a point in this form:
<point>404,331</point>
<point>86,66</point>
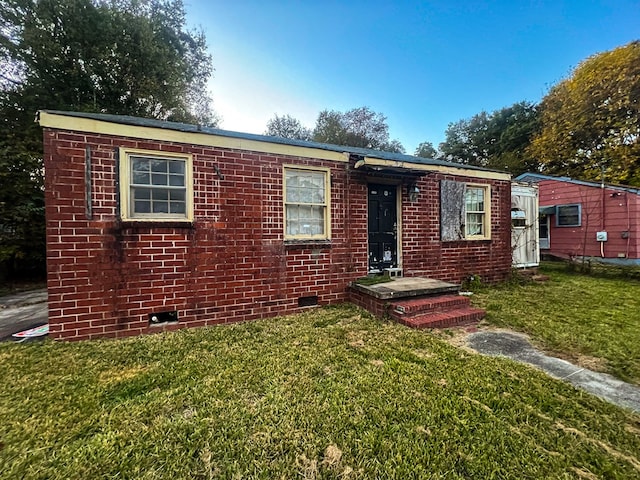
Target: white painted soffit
<point>410,167</point>
<point>97,126</point>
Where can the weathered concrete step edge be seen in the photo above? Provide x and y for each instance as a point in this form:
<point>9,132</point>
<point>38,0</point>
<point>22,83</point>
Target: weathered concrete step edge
<point>451,318</point>
<point>429,304</point>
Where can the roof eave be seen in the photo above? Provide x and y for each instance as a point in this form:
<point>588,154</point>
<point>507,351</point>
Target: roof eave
<point>151,129</point>
<point>424,168</point>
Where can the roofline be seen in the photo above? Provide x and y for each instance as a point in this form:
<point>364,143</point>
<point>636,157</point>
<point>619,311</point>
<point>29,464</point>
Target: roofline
<point>539,177</point>
<point>180,133</point>
<point>450,169</point>
<point>152,129</point>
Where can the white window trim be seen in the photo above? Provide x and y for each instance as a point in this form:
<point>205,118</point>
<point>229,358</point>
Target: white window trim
<point>579,224</point>
<point>327,196</point>
<point>125,185</point>
<point>487,212</point>
<point>544,242</point>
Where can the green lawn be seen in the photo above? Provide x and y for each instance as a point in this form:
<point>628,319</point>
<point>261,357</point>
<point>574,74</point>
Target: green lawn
<point>574,315</point>
<point>332,393</point>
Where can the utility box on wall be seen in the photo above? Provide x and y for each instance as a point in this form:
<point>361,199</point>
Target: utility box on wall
<point>601,236</point>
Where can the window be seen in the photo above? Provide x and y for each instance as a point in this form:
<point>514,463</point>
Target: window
<point>464,211</point>
<point>568,215</point>
<point>306,203</point>
<point>155,186</point>
<point>474,203</point>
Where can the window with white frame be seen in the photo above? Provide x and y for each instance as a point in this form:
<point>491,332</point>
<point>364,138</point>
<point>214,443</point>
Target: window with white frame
<point>568,215</point>
<point>155,186</point>
<point>475,211</point>
<point>465,211</point>
<point>306,203</point>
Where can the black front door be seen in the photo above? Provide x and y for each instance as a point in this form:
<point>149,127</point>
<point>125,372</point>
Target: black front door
<point>383,227</point>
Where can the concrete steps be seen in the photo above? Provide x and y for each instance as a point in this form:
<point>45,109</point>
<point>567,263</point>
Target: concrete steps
<point>436,311</point>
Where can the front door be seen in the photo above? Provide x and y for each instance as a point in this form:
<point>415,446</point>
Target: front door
<point>383,228</point>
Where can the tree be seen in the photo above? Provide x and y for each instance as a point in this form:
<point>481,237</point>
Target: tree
<point>591,120</point>
<point>426,150</point>
<point>497,140</point>
<point>359,127</point>
<point>465,141</point>
<point>394,146</point>
<point>287,127</point>
<point>132,57</point>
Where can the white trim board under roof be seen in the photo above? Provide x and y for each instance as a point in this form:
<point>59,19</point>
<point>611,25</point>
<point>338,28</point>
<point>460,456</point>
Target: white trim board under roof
<point>159,130</point>
<point>423,168</point>
<point>147,129</point>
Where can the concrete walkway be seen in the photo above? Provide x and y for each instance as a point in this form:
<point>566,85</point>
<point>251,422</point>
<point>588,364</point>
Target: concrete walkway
<point>517,347</point>
<point>21,311</point>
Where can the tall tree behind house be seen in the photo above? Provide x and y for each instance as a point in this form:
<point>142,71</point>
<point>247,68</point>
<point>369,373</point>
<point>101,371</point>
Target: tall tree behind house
<point>133,57</point>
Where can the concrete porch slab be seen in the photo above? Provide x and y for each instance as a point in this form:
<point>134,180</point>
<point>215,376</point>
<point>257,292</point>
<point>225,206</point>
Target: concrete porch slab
<point>405,287</point>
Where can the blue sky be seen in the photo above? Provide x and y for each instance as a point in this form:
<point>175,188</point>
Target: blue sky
<point>422,64</point>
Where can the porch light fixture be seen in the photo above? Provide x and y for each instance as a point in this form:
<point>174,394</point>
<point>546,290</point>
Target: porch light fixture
<point>413,192</point>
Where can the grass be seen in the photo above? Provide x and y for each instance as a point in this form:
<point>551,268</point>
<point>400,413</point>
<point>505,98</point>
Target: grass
<point>332,393</point>
<point>575,316</point>
<point>373,279</point>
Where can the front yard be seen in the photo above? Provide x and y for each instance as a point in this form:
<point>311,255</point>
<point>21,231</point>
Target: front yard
<point>593,321</point>
<point>332,393</point>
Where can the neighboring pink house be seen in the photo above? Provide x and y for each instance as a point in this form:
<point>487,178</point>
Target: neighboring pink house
<point>587,219</point>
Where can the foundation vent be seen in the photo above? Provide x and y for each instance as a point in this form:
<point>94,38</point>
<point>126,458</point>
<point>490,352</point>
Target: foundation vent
<point>158,318</point>
<point>309,301</point>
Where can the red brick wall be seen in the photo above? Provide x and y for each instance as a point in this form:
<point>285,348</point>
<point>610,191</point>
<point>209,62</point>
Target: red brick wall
<point>380,308</point>
<point>425,255</point>
<point>105,277</point>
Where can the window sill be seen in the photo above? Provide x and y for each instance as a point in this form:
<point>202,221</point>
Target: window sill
<point>466,240</point>
<point>307,243</point>
<point>157,224</point>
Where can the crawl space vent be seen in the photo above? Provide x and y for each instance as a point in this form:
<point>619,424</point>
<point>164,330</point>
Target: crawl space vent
<point>309,301</point>
<point>157,318</point>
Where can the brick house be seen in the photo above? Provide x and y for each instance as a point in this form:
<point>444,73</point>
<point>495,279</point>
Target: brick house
<point>587,219</point>
<point>155,225</point>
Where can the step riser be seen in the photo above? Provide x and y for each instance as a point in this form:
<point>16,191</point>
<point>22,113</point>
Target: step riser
<point>428,305</point>
<point>444,319</point>
<point>441,311</point>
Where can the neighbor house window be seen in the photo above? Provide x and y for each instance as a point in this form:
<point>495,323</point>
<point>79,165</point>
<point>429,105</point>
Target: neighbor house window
<point>465,211</point>
<point>155,186</point>
<point>306,203</point>
<point>568,215</point>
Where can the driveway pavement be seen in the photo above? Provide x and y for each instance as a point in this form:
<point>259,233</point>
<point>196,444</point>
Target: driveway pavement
<point>21,311</point>
<point>517,347</point>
